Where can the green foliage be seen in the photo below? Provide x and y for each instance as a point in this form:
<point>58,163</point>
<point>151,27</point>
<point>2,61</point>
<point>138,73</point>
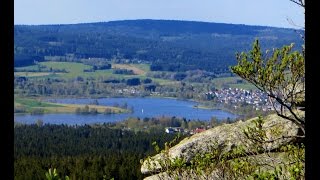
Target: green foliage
<point>82,152</point>
<point>34,103</point>
<point>264,175</point>
<point>281,76</point>
<point>282,68</point>
<point>255,133</point>
<point>296,155</point>
<point>123,71</point>
<point>171,166</point>
<point>33,106</point>
<point>87,110</point>
<point>52,175</point>
<point>133,82</point>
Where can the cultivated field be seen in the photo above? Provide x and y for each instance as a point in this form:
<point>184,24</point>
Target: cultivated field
<point>74,70</point>
<point>135,69</point>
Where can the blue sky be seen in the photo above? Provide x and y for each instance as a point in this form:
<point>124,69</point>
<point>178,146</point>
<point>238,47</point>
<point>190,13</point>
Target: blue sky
<point>251,12</point>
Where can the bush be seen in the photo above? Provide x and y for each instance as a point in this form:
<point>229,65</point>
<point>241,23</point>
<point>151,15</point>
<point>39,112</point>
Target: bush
<point>133,82</point>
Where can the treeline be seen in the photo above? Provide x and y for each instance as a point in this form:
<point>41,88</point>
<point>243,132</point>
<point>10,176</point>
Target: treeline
<point>87,110</point>
<point>158,124</point>
<point>113,87</point>
<point>123,71</point>
<point>167,45</point>
<point>82,152</point>
<point>81,86</point>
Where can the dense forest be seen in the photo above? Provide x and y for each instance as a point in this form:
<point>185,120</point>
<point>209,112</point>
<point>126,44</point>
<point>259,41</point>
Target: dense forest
<point>166,45</point>
<point>82,152</point>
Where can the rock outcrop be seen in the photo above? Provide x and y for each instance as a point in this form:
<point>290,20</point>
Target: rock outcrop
<point>224,137</point>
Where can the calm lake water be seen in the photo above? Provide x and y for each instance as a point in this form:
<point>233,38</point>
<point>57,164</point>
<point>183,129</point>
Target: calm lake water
<point>143,107</point>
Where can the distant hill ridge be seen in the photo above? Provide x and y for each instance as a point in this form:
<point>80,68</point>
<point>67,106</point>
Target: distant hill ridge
<point>187,44</point>
<point>174,26</point>
<point>171,25</point>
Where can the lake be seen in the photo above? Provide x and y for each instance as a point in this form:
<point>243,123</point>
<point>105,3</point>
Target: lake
<point>142,107</point>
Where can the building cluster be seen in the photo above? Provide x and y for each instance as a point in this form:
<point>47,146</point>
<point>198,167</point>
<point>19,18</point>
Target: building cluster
<point>237,96</point>
<point>232,96</point>
<point>172,130</point>
<point>128,91</point>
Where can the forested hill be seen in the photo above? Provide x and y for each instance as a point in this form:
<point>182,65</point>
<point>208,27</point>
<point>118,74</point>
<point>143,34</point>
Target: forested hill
<point>166,44</point>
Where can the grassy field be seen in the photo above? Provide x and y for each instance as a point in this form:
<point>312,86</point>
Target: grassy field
<point>37,74</point>
<point>232,82</point>
<point>75,70</point>
<point>30,105</point>
<point>33,103</point>
<point>164,81</point>
<point>71,108</point>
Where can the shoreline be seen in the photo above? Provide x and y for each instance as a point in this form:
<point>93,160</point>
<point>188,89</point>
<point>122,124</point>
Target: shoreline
<point>199,104</point>
<point>44,107</point>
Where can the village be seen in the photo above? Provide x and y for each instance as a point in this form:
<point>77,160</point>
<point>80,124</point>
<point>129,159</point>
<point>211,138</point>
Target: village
<point>237,96</point>
<point>231,96</point>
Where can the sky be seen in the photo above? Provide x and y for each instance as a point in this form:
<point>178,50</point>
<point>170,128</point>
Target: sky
<point>273,13</point>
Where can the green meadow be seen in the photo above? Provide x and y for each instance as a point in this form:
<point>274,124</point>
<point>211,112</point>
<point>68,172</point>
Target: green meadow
<point>74,70</point>
<point>233,82</point>
<point>35,106</point>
